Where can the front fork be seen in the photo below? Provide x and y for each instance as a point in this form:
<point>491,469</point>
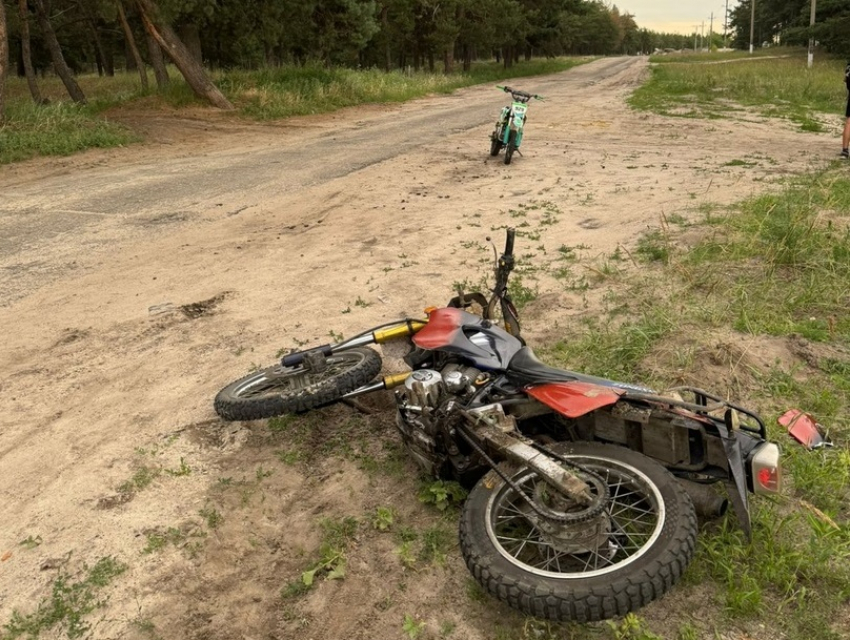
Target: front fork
<point>403,329</point>
<point>498,432</point>
<point>502,130</point>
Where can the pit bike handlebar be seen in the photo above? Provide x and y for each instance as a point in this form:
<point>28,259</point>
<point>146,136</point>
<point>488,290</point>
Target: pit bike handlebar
<point>520,96</point>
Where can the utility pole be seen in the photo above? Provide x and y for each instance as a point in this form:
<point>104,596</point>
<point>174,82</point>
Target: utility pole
<point>702,36</point>
<point>752,25</point>
<point>726,26</point>
<point>696,32</point>
<point>710,30</point>
<point>812,37</point>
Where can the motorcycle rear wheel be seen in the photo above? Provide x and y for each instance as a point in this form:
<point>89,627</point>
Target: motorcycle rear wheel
<point>510,147</point>
<point>645,545</point>
<point>495,146</point>
<point>496,142</point>
<point>278,390</point>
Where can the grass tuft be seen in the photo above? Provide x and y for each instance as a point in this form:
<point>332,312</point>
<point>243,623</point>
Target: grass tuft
<point>69,604</point>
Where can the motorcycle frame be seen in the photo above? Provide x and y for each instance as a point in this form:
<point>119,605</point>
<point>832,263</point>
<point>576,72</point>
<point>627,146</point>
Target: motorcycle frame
<point>725,444</point>
<point>513,119</point>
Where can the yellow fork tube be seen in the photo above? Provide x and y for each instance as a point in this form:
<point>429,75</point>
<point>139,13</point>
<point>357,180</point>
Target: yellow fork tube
<point>396,379</point>
<point>407,329</point>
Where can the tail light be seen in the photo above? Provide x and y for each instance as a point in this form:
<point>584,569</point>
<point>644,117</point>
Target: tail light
<point>765,472</point>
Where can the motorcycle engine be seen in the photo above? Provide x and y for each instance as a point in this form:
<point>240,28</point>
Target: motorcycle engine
<point>419,418</point>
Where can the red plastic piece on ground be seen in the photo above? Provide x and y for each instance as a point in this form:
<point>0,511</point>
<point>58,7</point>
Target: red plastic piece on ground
<point>802,427</point>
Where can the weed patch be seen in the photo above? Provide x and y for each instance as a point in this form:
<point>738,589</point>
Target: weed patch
<point>330,565</point>
<point>70,603</point>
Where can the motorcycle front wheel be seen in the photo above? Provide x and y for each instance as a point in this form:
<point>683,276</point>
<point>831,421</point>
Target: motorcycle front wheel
<point>277,390</point>
<point>641,544</point>
<point>510,147</point>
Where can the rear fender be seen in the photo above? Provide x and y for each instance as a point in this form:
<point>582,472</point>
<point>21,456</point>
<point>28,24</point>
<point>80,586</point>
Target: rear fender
<point>574,399</point>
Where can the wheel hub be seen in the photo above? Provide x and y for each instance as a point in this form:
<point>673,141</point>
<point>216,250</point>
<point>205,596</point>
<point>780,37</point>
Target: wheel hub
<point>315,361</point>
<point>574,537</point>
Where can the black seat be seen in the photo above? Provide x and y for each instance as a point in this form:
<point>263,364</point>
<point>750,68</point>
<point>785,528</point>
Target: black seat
<point>524,369</point>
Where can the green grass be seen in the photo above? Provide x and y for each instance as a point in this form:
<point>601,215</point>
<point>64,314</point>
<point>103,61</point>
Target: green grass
<point>775,269</point>
<point>294,90</point>
<point>443,494</point>
<point>58,129</point>
<point>781,87</point>
<point>614,347</point>
<point>337,536</point>
<point>714,56</point>
<point>69,604</point>
<point>796,564</point>
<point>798,240</point>
<point>63,128</point>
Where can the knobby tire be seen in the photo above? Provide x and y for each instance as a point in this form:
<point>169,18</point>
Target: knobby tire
<point>566,591</point>
<point>277,390</point>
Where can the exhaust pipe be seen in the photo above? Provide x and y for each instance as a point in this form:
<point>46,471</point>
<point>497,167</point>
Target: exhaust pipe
<point>706,501</point>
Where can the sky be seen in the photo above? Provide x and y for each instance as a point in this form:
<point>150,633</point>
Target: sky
<point>675,16</point>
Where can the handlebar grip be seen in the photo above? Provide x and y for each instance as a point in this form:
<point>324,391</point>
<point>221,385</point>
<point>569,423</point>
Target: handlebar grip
<point>509,242</point>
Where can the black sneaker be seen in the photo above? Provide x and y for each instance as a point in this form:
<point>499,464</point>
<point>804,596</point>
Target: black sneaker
<point>845,154</point>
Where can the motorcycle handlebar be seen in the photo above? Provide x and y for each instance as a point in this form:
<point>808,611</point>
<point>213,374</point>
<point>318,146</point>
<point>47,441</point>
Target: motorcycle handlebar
<point>517,92</point>
<point>509,242</point>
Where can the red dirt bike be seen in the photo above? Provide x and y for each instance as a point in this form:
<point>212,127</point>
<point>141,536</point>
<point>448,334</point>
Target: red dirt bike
<point>586,490</point>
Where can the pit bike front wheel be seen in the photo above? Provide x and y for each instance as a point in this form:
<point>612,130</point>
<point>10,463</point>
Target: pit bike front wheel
<point>510,147</point>
<point>277,390</point>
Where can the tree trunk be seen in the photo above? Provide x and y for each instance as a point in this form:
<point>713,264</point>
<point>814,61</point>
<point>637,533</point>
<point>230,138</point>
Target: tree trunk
<point>157,62</point>
<point>100,57</point>
<point>26,53</point>
<point>508,56</point>
<point>59,64</point>
<point>131,44</point>
<point>109,62</point>
<point>191,37</point>
<point>4,62</point>
<point>448,60</point>
<point>194,73</point>
<point>385,23</point>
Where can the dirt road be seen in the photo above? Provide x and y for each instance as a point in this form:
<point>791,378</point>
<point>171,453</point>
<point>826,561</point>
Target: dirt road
<point>134,283</point>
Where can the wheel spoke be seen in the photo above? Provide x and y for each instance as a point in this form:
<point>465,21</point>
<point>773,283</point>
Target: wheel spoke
<point>633,523</point>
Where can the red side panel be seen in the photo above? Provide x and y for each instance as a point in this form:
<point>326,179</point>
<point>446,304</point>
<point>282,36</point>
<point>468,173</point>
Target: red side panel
<point>440,330</point>
<point>574,399</point>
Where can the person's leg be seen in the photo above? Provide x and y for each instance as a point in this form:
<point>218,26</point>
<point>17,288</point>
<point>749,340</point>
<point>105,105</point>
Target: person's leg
<point>845,139</point>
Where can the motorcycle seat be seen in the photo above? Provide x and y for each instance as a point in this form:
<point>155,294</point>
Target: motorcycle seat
<point>525,369</point>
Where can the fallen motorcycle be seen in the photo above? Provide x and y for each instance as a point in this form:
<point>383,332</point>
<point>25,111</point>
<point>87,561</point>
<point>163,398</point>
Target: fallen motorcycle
<point>583,506</point>
<point>511,123</point>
